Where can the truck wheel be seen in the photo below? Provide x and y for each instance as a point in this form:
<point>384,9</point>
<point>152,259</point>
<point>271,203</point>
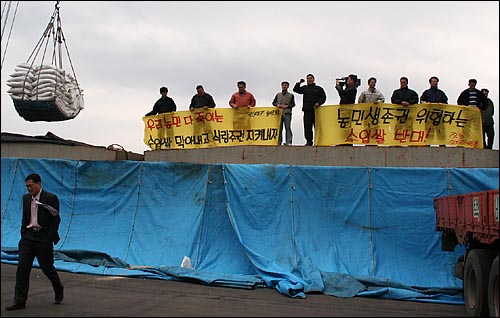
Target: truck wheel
<point>476,271</point>
<point>493,293</point>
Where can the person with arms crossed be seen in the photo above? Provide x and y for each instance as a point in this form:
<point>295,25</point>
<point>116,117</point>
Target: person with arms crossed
<point>404,95</point>
<point>39,230</point>
<point>286,101</point>
<point>433,94</point>
<point>313,97</point>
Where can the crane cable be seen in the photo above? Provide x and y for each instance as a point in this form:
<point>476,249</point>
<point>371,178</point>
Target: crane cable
<point>10,30</point>
<point>54,28</point>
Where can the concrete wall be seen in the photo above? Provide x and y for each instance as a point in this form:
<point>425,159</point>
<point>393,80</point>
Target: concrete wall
<point>370,156</point>
<point>335,156</point>
<point>41,150</point>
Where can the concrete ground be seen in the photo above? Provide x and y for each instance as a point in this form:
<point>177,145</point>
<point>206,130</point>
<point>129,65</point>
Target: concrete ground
<point>99,296</point>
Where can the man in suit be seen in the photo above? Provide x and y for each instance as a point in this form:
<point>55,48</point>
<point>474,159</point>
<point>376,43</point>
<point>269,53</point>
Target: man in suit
<point>39,230</point>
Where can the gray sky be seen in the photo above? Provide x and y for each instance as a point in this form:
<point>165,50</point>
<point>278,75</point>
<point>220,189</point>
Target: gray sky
<point>123,52</point>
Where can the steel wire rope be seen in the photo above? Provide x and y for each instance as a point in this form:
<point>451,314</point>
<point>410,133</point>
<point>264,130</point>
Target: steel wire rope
<point>37,48</point>
<point>3,9</point>
<point>6,17</point>
<point>41,63</point>
<point>62,39</point>
<point>8,38</point>
<point>71,63</point>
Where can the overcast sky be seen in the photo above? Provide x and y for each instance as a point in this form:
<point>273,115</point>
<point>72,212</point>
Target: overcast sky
<point>123,52</point>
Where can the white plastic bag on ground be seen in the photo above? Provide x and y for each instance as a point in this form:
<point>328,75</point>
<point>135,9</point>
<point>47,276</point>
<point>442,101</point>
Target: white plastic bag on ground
<point>186,262</point>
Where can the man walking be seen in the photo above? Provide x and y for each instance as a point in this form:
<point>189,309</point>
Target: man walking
<point>39,230</point>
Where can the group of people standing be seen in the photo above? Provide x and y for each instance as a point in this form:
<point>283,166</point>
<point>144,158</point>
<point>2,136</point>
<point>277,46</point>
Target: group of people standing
<point>315,96</point>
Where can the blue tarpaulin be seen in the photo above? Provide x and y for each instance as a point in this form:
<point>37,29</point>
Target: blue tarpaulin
<point>342,231</point>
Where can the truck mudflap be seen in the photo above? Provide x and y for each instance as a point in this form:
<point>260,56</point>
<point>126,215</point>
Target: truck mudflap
<point>459,268</point>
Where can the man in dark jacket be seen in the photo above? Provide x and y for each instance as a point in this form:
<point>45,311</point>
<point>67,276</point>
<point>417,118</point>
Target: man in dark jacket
<point>314,96</point>
<point>202,99</point>
<point>39,230</point>
<point>347,95</point>
<point>404,95</point>
<point>472,96</point>
<point>488,122</point>
<point>434,94</point>
<point>163,105</point>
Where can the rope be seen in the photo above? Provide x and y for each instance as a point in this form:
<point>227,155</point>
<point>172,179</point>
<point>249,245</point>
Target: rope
<point>6,18</point>
<point>3,9</point>
<point>10,32</point>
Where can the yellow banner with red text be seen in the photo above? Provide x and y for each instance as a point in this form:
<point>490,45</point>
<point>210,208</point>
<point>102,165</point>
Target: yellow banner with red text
<point>361,124</point>
<point>213,127</point>
<point>398,125</point>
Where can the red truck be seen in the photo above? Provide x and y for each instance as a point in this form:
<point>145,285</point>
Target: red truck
<point>471,220</point>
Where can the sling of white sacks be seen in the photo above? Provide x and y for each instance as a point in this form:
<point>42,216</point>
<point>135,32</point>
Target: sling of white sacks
<point>46,83</point>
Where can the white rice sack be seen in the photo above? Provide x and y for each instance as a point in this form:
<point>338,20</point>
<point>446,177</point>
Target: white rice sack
<point>20,84</point>
<point>42,98</point>
<point>41,81</point>
<point>20,79</point>
<point>46,66</point>
<point>21,69</point>
<point>40,76</point>
<point>44,85</point>
<point>52,74</point>
<point>20,97</point>
<point>45,90</point>
<point>21,73</point>
<point>24,65</point>
<point>42,95</point>
<point>19,90</point>
<point>51,71</point>
<point>80,102</point>
<point>64,107</point>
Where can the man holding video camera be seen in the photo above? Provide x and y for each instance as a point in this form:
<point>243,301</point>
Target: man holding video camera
<point>347,95</point>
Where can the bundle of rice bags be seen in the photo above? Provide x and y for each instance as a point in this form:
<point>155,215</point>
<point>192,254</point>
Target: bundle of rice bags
<point>46,83</point>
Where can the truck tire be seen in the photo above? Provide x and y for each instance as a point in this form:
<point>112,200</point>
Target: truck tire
<point>476,272</point>
<point>493,293</point>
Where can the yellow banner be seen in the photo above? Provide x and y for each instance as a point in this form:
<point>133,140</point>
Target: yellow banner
<point>213,127</point>
<point>397,125</point>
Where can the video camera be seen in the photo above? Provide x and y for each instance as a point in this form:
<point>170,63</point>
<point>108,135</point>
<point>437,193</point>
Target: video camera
<point>343,81</point>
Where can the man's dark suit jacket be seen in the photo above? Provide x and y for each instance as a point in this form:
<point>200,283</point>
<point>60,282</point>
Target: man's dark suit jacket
<point>48,222</point>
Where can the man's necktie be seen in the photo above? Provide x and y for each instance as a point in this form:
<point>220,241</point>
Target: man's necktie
<point>34,216</point>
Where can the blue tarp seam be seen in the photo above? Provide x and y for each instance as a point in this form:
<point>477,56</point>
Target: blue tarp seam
<point>203,216</point>
<point>11,189</point>
<point>368,192</point>
<point>292,215</point>
<point>72,209</point>
<point>136,208</point>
